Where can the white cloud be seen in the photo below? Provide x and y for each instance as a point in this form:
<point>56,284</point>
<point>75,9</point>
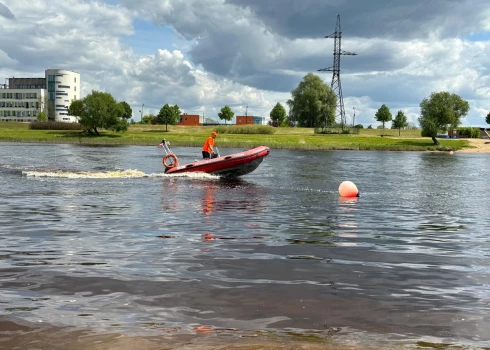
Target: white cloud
<point>86,37</point>
<point>5,60</point>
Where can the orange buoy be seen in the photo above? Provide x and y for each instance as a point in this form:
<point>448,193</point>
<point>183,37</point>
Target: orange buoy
<point>348,189</point>
<point>208,237</point>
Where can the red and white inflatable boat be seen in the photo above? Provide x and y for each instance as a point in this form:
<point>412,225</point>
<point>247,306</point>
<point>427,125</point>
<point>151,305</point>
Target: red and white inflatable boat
<point>232,165</point>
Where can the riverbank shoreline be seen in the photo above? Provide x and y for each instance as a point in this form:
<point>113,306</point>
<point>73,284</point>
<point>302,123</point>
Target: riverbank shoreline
<point>247,138</point>
<point>475,145</point>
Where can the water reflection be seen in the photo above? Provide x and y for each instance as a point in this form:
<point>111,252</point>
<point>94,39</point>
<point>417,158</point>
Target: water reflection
<point>208,200</point>
<point>169,193</point>
<point>347,202</point>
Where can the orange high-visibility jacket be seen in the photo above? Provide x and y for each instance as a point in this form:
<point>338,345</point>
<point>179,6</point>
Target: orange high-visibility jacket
<point>208,145</point>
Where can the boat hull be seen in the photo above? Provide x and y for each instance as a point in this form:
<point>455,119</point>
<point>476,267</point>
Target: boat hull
<point>232,165</point>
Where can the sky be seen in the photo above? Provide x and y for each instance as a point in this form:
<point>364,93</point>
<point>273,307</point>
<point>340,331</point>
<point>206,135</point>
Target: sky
<point>250,54</point>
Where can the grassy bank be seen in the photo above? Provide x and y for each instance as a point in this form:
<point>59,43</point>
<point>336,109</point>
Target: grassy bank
<point>290,138</point>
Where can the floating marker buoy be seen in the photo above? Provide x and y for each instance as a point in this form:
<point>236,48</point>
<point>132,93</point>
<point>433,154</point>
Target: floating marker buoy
<point>208,236</point>
<point>348,189</point>
<point>451,153</point>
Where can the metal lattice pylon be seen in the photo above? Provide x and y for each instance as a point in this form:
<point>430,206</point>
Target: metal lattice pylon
<point>336,84</point>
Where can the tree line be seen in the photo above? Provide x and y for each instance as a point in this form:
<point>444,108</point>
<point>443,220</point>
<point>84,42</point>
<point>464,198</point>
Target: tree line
<point>312,104</point>
<point>171,115</point>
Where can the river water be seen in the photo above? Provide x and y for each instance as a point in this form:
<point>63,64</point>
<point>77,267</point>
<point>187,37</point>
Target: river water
<point>98,240</point>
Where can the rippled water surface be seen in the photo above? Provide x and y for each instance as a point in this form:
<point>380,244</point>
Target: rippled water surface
<point>97,238</point>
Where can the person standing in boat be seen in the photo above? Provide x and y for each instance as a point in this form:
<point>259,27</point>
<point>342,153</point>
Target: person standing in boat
<point>208,148</point>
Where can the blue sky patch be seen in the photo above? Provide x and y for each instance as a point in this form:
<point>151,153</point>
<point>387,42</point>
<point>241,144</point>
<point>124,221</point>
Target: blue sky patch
<point>148,38</point>
<point>481,36</point>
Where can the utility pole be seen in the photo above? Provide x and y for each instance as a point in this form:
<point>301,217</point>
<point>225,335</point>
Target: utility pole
<point>336,85</point>
<point>354,120</point>
<point>246,112</point>
<point>142,106</point>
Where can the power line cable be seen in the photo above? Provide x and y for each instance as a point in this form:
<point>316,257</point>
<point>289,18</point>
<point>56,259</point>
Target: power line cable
<point>370,13</point>
<point>434,17</point>
<point>379,36</point>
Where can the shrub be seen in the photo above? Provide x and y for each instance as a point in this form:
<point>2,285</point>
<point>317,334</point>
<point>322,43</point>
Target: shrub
<point>245,129</point>
<point>51,125</point>
<point>331,131</point>
<point>472,133</point>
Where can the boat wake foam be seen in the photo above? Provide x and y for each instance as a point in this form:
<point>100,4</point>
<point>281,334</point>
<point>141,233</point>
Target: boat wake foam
<point>131,173</point>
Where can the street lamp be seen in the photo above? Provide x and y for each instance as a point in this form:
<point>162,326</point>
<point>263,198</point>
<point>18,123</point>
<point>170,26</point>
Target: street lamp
<point>354,119</point>
<point>141,111</point>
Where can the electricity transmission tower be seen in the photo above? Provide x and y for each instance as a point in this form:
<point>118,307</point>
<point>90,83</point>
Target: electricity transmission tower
<point>336,85</point>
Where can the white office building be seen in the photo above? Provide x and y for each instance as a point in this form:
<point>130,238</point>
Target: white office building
<point>24,98</point>
<point>63,87</point>
<point>21,105</point>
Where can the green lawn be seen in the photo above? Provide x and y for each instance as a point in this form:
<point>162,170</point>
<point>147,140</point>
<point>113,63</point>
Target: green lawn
<point>291,138</point>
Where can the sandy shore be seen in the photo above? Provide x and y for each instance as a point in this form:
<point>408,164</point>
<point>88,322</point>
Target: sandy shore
<point>477,146</point>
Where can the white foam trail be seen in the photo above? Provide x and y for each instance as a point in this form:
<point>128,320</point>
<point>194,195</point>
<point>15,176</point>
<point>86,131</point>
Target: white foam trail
<point>192,175</point>
<point>87,174</point>
<point>131,173</point>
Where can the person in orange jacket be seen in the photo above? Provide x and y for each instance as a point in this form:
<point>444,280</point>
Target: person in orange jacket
<point>208,148</point>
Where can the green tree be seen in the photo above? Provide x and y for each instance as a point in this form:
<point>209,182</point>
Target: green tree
<point>441,111</point>
<point>487,119</point>
<point>99,110</point>
<point>177,113</point>
<point>312,103</point>
<point>168,115</point>
<point>359,126</point>
<point>128,111</point>
<point>400,122</point>
<point>383,115</point>
<point>49,108</point>
<point>42,116</point>
<point>76,108</point>
<point>278,114</point>
<point>226,114</point>
<point>370,126</point>
<point>148,119</point>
